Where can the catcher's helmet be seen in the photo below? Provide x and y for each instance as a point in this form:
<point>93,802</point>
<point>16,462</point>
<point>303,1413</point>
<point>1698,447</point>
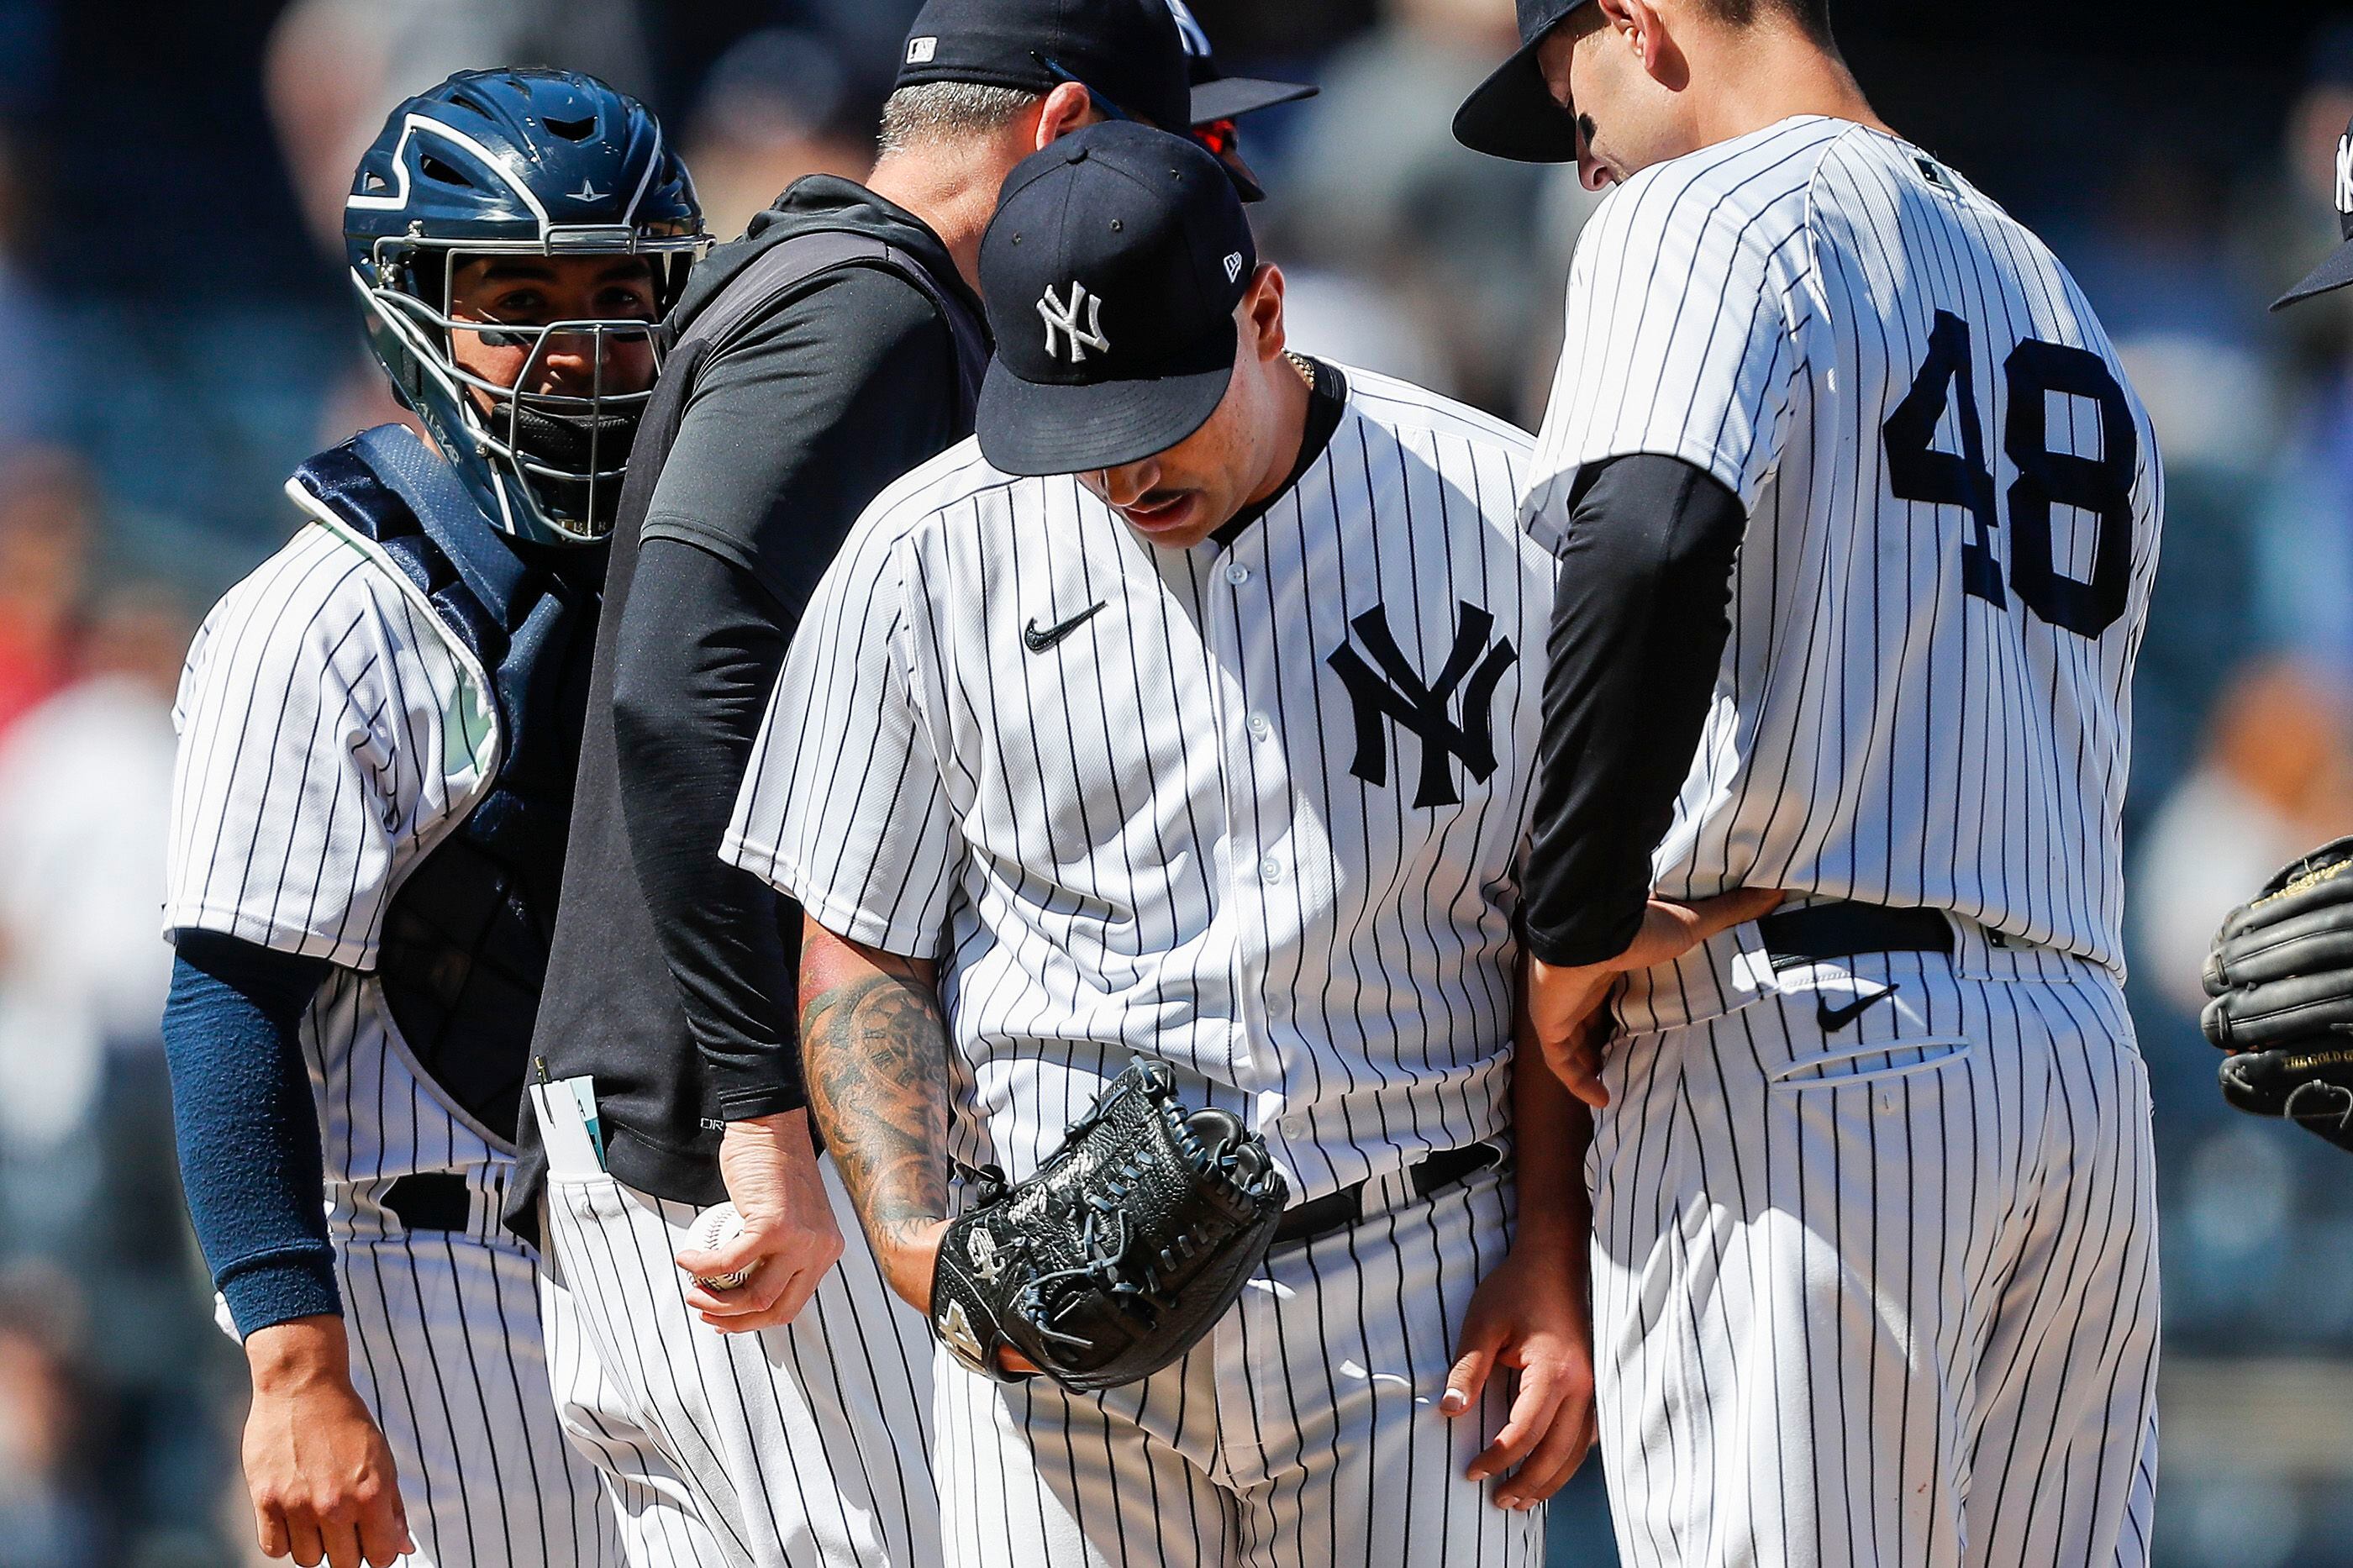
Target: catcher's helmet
<point>529,162</point>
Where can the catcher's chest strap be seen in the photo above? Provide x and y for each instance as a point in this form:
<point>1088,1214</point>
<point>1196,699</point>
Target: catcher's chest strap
<point>1338,1211</point>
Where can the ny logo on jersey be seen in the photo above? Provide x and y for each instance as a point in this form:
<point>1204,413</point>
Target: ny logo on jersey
<point>1391,688</point>
<point>1062,321</point>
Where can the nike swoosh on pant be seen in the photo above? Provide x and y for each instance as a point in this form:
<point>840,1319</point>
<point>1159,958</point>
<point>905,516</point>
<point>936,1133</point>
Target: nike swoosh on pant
<point>1833,1019</point>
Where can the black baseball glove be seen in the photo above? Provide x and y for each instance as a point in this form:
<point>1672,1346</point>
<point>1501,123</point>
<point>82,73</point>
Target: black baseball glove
<point>2281,976</point>
<point>1117,1256</point>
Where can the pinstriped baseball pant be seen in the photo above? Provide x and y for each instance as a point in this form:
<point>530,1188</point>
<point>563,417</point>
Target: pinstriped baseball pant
<point>804,1447</point>
<point>1879,1289</point>
<point>1303,1433</point>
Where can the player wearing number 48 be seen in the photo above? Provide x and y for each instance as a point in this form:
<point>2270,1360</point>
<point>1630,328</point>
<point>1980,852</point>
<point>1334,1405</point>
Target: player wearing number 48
<point>1857,519</point>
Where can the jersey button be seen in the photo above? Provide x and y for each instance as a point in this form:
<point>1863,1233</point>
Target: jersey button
<point>1270,870</point>
<point>1261,726</point>
<point>1237,573</point>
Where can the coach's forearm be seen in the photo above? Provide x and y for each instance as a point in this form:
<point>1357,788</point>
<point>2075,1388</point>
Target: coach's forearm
<point>697,652</point>
<point>874,1048</point>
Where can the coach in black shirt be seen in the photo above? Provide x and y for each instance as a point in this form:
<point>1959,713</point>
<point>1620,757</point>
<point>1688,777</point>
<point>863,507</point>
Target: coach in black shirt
<point>671,983</point>
<point>832,349</point>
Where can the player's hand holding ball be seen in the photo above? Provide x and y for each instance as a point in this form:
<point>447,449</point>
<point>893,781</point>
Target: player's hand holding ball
<point>1563,1002</point>
<point>756,1267</point>
<point>318,1469</point>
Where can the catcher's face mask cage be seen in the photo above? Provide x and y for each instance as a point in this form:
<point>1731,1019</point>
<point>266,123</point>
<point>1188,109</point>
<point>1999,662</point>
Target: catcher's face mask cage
<point>554,447</point>
<point>544,165</point>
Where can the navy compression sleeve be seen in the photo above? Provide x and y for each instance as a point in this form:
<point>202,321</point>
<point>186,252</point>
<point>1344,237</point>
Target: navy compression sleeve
<point>249,1133</point>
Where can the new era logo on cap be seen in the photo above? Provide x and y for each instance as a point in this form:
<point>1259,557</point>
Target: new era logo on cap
<point>1234,267</point>
<point>921,51</point>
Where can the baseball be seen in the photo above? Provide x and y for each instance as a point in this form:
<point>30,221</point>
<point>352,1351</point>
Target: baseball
<point>714,1228</point>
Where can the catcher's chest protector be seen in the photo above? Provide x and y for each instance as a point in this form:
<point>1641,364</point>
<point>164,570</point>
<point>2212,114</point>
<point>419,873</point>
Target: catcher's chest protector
<point>465,945</point>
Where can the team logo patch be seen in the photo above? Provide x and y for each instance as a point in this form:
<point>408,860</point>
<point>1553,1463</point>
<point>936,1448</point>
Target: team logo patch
<point>1062,323</point>
<point>921,51</point>
<point>1388,687</point>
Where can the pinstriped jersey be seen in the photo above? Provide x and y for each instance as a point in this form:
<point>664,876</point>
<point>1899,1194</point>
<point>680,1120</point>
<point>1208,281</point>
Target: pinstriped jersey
<point>332,734</point>
<point>1954,499</point>
<point>1254,809</point>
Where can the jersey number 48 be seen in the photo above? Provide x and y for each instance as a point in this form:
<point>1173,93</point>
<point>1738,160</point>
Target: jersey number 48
<point>2102,486</point>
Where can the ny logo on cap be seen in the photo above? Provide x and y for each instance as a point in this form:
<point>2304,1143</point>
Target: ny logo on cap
<point>1064,320</point>
<point>2345,176</point>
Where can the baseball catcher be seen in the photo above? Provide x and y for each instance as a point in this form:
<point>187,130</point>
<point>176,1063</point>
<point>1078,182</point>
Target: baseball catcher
<point>1117,1256</point>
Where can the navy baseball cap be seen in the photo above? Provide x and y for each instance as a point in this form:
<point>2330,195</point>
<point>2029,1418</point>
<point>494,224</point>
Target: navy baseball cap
<point>2337,270</point>
<point>1512,115</point>
<point>1110,274</point>
<point>1126,52</point>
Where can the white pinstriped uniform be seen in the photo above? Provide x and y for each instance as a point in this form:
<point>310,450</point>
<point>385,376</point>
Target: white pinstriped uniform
<point>1879,1287</point>
<point>806,1446</point>
<point>1172,831</point>
<point>331,736</point>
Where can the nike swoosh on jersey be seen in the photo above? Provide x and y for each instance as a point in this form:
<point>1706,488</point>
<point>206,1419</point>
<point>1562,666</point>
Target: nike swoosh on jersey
<point>1833,1019</point>
<point>1037,641</point>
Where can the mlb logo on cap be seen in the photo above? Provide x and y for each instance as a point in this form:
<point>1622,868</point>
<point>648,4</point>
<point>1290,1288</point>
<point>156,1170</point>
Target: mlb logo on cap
<point>921,51</point>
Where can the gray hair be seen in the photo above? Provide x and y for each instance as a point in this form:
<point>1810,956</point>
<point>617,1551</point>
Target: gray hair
<point>934,112</point>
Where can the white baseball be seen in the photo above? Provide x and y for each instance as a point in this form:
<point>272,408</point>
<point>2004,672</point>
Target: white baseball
<point>714,1228</point>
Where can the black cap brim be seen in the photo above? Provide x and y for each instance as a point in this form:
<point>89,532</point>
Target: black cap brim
<point>1231,97</point>
<point>1245,179</point>
<point>1031,427</point>
<point>2334,273</point>
<point>1512,115</point>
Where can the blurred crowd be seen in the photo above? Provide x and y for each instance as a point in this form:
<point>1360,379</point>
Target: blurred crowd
<point>175,335</point>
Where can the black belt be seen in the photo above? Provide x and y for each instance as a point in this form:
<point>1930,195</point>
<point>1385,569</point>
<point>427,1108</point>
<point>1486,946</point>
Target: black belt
<point>1336,1211</point>
<point>1822,932</point>
<point>431,1200</point>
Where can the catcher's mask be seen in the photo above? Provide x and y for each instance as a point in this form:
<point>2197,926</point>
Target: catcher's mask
<point>539,163</point>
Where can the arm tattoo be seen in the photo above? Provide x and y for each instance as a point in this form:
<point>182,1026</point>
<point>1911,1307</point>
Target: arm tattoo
<point>875,1051</point>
